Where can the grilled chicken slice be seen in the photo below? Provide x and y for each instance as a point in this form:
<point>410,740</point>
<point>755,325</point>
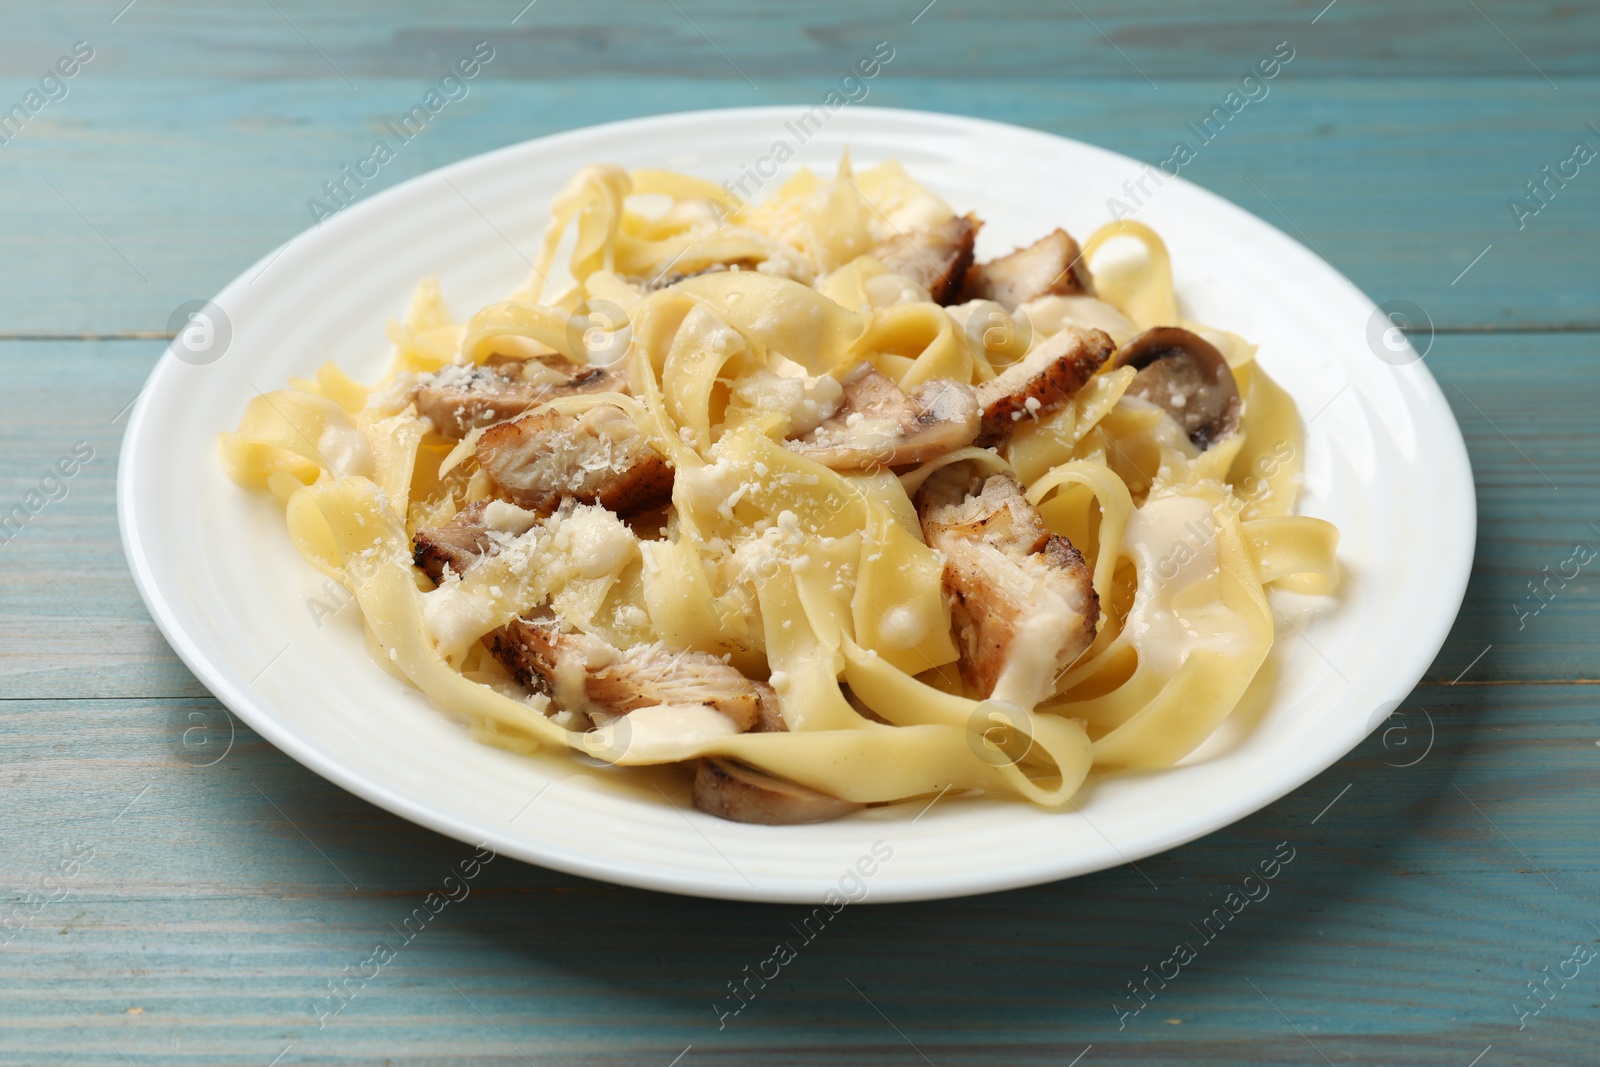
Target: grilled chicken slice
<point>459,398</point>
<point>876,425</point>
<point>462,541</point>
<point>454,546</point>
<point>599,457</point>
<point>1051,266</point>
<point>583,673</point>
<point>1021,599</point>
<point>1041,382</point>
<point>936,258</point>
<point>731,790</point>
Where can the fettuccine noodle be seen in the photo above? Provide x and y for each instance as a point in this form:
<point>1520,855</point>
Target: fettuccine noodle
<point>732,337</point>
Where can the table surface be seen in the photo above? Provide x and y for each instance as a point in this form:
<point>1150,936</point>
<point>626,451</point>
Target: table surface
<point>208,908</point>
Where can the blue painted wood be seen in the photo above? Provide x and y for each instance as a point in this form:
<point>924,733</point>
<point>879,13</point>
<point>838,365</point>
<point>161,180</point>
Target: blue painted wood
<point>1403,930</point>
<point>207,907</point>
<point>707,39</point>
<point>1386,177</point>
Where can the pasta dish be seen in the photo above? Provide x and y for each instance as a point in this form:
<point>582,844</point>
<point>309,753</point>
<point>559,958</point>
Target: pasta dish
<point>799,496</point>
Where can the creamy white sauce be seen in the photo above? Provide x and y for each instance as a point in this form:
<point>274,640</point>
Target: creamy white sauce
<point>570,684</point>
<point>597,542</point>
<point>1173,544</point>
<point>1051,314</point>
<point>453,616</point>
<point>1029,674</point>
<point>346,448</point>
<point>903,627</point>
<point>707,488</point>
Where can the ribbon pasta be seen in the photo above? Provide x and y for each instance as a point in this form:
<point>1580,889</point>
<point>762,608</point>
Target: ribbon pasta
<point>815,580</point>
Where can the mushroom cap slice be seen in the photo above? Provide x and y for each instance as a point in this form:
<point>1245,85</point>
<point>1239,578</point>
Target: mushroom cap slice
<point>1051,266</point>
<point>1184,374</point>
<point>734,791</point>
<point>876,425</point>
<point>1041,382</point>
<point>936,257</point>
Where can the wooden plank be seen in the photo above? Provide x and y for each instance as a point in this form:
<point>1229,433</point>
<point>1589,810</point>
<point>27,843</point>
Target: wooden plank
<point>1415,908</point>
<point>1532,451</point>
<point>1102,39</point>
<point>1387,177</point>
<point>71,622</point>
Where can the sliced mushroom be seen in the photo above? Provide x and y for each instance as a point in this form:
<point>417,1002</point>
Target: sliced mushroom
<point>936,257</point>
<point>876,425</point>
<point>1022,600</point>
<point>460,398</point>
<point>1051,266</point>
<point>731,790</point>
<point>581,672</point>
<point>1041,382</point>
<point>465,539</point>
<point>1184,374</point>
<point>599,457</point>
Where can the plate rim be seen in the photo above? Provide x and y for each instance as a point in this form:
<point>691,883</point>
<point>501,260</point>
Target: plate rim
<point>257,713</point>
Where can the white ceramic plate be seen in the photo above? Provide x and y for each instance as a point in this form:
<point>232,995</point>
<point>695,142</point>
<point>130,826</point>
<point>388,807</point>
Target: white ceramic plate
<point>1385,461</point>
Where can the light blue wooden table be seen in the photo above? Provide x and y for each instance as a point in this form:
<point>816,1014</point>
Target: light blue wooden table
<point>161,912</point>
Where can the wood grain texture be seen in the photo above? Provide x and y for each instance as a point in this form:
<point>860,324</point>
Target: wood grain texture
<point>1388,178</point>
<point>218,901</point>
<point>224,899</point>
<point>704,39</point>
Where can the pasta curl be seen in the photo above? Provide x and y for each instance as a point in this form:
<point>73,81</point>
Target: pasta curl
<point>742,494</point>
